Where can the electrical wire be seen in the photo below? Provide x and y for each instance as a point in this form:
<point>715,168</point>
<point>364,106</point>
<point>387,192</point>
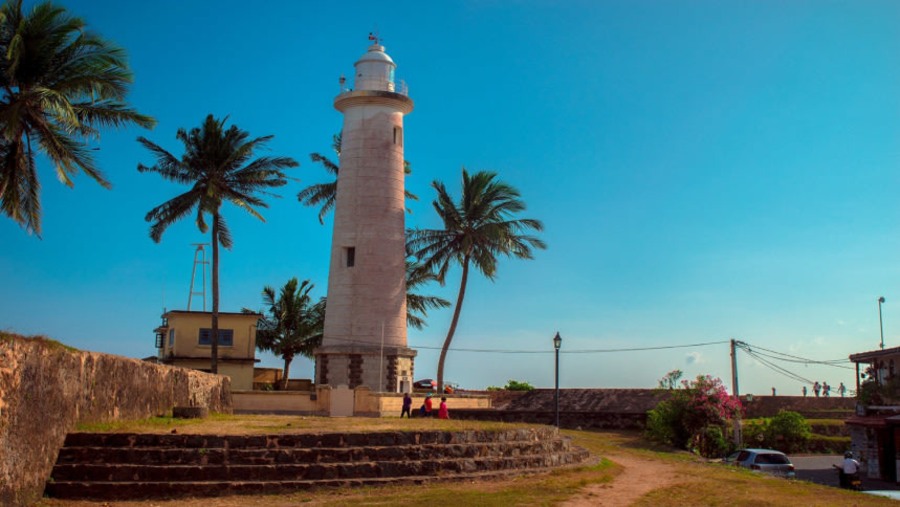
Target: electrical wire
<point>776,368</point>
<point>797,358</point>
<point>582,351</point>
<point>800,361</point>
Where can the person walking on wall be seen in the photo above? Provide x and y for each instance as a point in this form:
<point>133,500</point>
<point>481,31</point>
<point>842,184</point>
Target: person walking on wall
<point>804,391</point>
<point>826,389</point>
<point>816,388</point>
<point>842,389</point>
<point>407,405</point>
<point>443,413</point>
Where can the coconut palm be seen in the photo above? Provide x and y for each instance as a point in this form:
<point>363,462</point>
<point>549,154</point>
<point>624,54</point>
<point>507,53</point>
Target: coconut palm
<point>217,164</point>
<point>417,305</point>
<point>324,194</point>
<point>59,83</point>
<point>478,229</point>
<point>293,324</point>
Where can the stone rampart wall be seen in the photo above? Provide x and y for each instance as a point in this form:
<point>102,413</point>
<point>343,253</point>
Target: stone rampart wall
<point>47,388</point>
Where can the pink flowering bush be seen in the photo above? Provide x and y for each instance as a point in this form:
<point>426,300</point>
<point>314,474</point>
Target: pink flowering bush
<point>695,417</point>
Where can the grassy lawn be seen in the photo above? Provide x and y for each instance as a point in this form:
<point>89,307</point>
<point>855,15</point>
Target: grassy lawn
<point>698,482</point>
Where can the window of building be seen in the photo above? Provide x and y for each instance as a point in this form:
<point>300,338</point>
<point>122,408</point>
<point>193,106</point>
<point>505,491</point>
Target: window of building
<point>226,337</point>
<point>398,136</point>
<point>350,256</point>
<point>171,337</point>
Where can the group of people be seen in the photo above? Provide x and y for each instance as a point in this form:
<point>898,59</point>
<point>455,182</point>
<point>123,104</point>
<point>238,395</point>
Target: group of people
<point>427,408</point>
<point>824,389</point>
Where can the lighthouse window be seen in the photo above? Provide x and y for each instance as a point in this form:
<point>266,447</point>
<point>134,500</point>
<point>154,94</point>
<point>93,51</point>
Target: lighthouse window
<point>351,256</point>
<point>398,136</point>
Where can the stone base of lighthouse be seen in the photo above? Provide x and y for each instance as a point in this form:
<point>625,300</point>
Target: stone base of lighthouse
<point>388,369</point>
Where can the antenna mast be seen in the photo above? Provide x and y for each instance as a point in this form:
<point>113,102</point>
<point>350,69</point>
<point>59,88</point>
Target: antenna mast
<point>199,258</point>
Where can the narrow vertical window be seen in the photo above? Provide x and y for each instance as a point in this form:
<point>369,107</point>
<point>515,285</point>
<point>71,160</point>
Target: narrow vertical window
<point>351,256</point>
<point>398,136</point>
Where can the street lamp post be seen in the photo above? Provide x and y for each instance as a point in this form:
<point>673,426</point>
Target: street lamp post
<point>880,325</point>
<point>557,342</point>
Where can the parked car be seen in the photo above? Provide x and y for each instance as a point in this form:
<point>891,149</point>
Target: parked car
<point>430,385</point>
<point>764,460</point>
<point>425,384</point>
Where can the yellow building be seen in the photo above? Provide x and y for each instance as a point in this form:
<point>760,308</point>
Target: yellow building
<point>184,340</point>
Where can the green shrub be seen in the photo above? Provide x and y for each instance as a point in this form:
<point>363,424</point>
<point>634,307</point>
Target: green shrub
<point>787,432</point>
<point>694,416</point>
<point>515,385</point>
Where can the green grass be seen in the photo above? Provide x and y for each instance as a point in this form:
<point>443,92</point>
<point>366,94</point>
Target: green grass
<point>46,342</point>
<point>226,424</point>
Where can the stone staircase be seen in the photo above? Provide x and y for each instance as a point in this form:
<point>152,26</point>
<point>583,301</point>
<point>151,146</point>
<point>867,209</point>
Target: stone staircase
<point>115,466</point>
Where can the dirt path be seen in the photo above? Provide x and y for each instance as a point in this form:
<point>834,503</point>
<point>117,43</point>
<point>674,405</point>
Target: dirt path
<point>639,477</point>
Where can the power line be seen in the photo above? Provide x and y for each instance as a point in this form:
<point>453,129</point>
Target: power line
<point>776,368</point>
<point>798,359</point>
<point>581,351</point>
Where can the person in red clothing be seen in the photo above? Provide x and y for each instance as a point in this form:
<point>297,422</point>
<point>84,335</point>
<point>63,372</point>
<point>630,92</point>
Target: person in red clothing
<point>443,413</point>
<point>428,406</point>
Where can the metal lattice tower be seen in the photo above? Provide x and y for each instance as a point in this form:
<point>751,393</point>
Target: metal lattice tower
<point>199,258</point>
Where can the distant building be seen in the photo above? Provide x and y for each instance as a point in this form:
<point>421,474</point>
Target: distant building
<point>184,340</point>
<point>875,429</point>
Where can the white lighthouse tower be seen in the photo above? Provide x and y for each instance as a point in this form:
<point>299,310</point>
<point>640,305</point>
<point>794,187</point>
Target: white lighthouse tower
<point>365,320</point>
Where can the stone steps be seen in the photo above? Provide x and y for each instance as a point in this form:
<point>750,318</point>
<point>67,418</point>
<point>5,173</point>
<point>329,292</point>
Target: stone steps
<point>128,466</point>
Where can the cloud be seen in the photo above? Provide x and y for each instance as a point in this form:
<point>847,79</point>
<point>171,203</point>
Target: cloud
<point>693,358</point>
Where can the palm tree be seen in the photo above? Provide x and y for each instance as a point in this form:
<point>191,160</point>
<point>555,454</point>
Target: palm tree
<point>294,323</point>
<point>417,305</point>
<point>477,230</point>
<point>59,83</point>
<point>217,164</point>
<point>324,194</point>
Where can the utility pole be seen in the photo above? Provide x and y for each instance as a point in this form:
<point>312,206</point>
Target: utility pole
<point>736,392</point>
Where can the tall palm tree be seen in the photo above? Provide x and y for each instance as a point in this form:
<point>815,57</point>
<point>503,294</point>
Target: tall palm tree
<point>293,325</point>
<point>478,229</point>
<point>217,164</point>
<point>324,194</point>
<point>417,305</point>
<point>59,83</point>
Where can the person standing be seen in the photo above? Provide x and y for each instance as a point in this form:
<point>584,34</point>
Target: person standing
<point>407,405</point>
<point>816,388</point>
<point>773,391</point>
<point>804,391</point>
<point>842,389</point>
<point>443,413</point>
<point>428,406</point>
<point>826,389</point>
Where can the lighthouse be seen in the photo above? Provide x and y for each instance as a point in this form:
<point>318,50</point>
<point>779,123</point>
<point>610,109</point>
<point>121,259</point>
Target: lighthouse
<point>364,342</point>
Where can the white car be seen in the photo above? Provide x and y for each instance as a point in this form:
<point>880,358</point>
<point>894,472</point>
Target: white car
<point>764,460</point>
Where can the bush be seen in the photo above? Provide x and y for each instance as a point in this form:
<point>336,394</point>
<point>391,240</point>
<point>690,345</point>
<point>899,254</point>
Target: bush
<point>515,385</point>
<point>787,432</point>
<point>710,442</point>
<point>694,417</point>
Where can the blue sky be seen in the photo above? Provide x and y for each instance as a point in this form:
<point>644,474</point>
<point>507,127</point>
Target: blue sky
<point>704,171</point>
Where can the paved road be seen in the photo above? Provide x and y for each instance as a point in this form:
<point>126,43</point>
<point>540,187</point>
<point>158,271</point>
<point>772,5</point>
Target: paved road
<point>817,468</point>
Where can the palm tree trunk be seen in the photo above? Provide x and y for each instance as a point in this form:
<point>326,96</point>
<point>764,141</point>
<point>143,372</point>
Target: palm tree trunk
<point>287,371</point>
<point>452,331</point>
<point>214,352</point>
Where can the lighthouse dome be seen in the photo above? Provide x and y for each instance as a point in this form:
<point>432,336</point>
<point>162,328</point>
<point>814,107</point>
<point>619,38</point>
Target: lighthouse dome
<point>375,70</point>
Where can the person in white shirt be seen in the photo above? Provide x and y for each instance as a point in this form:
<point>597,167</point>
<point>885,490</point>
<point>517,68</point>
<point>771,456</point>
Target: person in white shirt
<point>849,469</point>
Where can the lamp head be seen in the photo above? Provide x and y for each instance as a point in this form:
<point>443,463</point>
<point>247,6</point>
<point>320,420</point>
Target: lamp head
<point>557,341</point>
<point>881,299</point>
